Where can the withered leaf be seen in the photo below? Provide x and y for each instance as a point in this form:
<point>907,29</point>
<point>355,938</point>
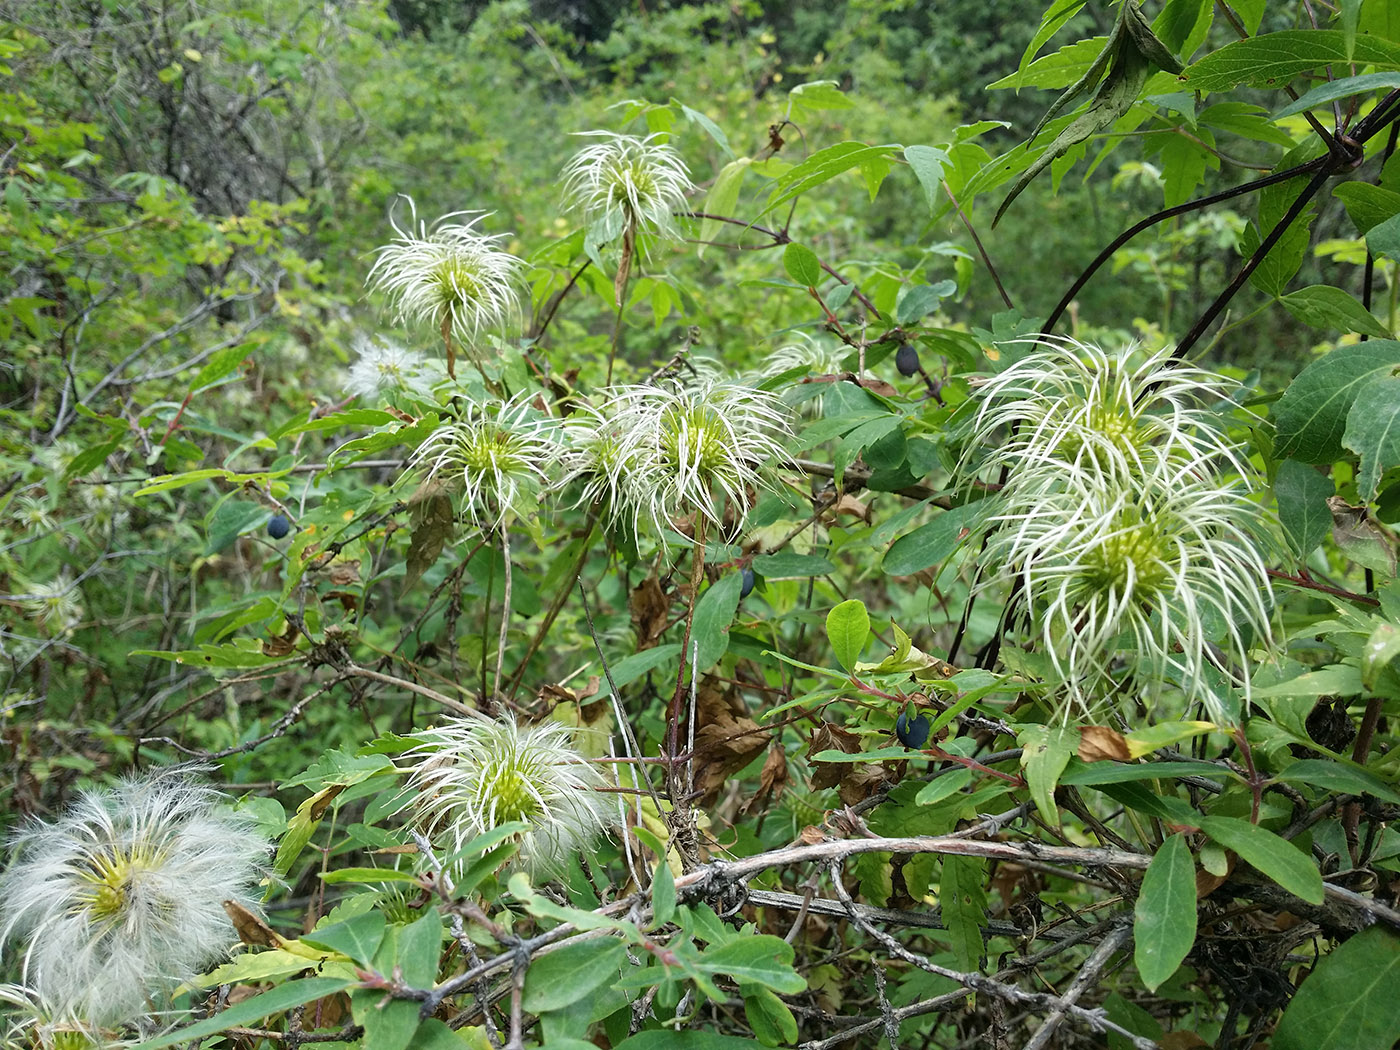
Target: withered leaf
<point>1098,743</point>
<point>830,737</point>
<point>726,738</point>
<point>868,778</point>
<point>1361,537</point>
<point>344,573</point>
<point>324,798</point>
<point>850,507</point>
<point>433,520</point>
<point>251,929</point>
<point>651,611</point>
<point>283,644</point>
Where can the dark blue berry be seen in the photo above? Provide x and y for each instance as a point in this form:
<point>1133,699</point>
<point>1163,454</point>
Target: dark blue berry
<point>747,577</point>
<point>906,359</point>
<point>911,733</point>
<point>278,526</point>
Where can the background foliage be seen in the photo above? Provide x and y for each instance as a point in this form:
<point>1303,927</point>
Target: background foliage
<point>191,197</point>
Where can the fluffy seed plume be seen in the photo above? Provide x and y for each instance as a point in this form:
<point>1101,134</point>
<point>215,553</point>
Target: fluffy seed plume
<point>498,456</point>
<point>471,776</point>
<point>636,183</point>
<point>450,276</point>
<point>1135,552</point>
<point>121,899</point>
<point>660,453</point>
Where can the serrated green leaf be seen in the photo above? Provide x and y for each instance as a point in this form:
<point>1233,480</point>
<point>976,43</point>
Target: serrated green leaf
<point>928,164</point>
<point>1373,432</point>
<point>819,95</point>
<point>1056,15</point>
<point>1311,416</point>
<point>562,977</point>
<point>1327,306</point>
<point>1275,857</point>
<point>1383,239</point>
<point>1333,90</point>
<point>1350,1001</point>
<point>821,167</point>
<point>1367,206</point>
<point>1274,59</point>
<point>1164,919</point>
<point>1302,493</point>
<point>848,629</point>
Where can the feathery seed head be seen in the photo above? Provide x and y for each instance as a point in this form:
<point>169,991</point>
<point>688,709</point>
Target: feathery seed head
<point>641,181</point>
<point>449,276</point>
<point>121,899</point>
<point>686,447</point>
<point>382,367</point>
<point>1077,404</point>
<point>1134,554</point>
<point>473,775</point>
<point>498,454</point>
<point>56,604</point>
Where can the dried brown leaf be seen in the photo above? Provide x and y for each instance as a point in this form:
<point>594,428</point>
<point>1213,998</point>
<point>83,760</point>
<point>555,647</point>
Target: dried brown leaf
<point>1100,743</point>
<point>250,928</point>
<point>651,611</point>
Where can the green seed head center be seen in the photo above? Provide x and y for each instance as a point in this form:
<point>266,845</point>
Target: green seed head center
<point>110,882</point>
<point>1132,558</point>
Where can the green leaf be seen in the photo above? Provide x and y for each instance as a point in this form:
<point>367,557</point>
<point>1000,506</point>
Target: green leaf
<point>1046,751</point>
<point>723,198</point>
<point>1351,1000</point>
<point>1373,432</point>
<point>848,629</point>
<point>763,959</point>
<point>1336,89</point>
<point>562,977</point>
<point>1311,416</point>
<point>1381,648</point>
<point>1275,857</point>
<point>1338,776</point>
<point>821,167</point>
<point>1383,239</point>
<point>962,900</point>
<point>769,1017</point>
<point>1090,774</point>
<point>663,895</point>
<point>1367,206</point>
<point>1164,920</point>
<point>1302,493</point>
<point>357,938</point>
<point>786,565</point>
<point>1327,306</point>
<point>928,164</point>
<point>802,264</point>
<point>1151,738</point>
<point>366,876</point>
<point>708,126</point>
<point>820,94</point>
<point>1058,13</point>
<point>1274,59</point>
<point>630,668</point>
<point>1332,680</point>
<point>932,543</point>
<point>666,1039</point>
<point>276,1001</point>
<point>714,612</point>
<point>920,300</point>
